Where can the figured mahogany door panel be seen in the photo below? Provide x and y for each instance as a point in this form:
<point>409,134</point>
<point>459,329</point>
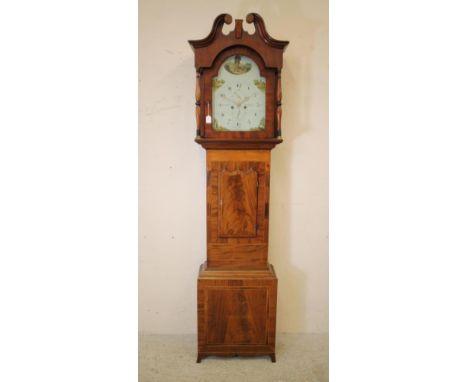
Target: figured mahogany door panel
<point>237,196</point>
<point>237,316</point>
<point>237,203</point>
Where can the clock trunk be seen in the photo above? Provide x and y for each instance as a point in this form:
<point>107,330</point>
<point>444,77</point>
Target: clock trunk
<point>237,208</point>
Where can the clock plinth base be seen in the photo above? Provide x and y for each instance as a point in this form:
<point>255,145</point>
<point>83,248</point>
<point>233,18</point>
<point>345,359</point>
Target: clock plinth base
<point>236,312</point>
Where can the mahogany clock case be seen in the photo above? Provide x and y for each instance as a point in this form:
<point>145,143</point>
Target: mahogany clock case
<point>237,287</point>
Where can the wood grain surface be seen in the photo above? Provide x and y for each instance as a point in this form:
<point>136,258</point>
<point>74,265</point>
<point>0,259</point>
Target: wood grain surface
<point>237,213</point>
<point>236,312</point>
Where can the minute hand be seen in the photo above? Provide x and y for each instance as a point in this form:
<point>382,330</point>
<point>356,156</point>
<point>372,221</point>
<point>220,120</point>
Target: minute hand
<point>230,100</point>
<point>244,100</point>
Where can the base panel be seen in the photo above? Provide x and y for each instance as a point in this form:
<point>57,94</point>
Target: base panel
<point>236,312</point>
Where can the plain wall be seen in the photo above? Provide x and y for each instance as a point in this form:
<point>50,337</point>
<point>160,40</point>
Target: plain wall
<point>172,233</point>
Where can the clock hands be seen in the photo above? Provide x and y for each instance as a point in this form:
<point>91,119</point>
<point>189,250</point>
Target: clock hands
<point>244,100</point>
<point>238,104</point>
<point>229,99</point>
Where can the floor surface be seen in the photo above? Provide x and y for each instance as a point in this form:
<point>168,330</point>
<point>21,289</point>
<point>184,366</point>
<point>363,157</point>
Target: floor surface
<point>299,357</point>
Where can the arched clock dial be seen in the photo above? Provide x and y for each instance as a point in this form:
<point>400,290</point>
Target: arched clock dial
<point>238,96</point>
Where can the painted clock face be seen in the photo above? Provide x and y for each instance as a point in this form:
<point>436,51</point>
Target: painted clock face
<point>239,96</point>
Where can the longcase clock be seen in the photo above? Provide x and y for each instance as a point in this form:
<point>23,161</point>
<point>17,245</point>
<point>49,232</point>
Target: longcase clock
<point>238,117</point>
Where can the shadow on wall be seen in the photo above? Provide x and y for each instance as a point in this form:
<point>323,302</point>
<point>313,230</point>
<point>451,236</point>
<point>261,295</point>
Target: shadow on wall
<point>298,106</point>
